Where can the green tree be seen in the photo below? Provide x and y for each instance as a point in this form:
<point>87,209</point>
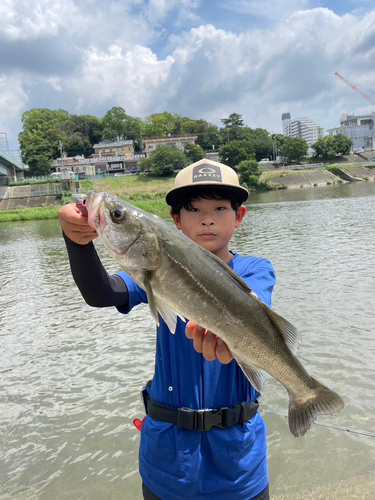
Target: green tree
<point>343,144</point>
<point>40,136</point>
<point>261,140</point>
<point>164,161</point>
<point>160,124</point>
<point>232,128</point>
<point>36,152</point>
<point>249,172</point>
<point>295,149</point>
<point>117,125</point>
<point>208,134</point>
<point>194,153</point>
<point>77,145</point>
<point>232,153</point>
<point>90,127</point>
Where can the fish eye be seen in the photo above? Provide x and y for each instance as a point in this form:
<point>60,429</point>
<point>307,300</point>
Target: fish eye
<point>118,214</point>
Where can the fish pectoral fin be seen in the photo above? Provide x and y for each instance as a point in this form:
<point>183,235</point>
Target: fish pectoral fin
<point>169,316</point>
<point>158,306</point>
<point>288,332</point>
<point>151,298</point>
<point>255,376</point>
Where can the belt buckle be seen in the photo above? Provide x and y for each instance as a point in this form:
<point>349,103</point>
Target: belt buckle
<point>206,419</point>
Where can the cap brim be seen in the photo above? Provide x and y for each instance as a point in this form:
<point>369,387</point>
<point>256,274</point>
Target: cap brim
<point>174,196</point>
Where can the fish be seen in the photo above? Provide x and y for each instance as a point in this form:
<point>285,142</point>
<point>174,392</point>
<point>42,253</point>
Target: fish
<point>184,280</point>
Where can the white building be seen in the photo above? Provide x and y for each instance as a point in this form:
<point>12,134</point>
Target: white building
<point>360,129</point>
<point>302,128</point>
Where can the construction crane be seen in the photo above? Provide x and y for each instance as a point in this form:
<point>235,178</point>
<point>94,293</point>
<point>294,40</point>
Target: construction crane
<point>354,87</point>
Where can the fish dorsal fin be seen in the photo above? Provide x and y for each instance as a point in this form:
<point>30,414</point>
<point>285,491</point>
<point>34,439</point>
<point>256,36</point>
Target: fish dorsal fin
<point>255,376</point>
<point>157,305</point>
<point>230,271</point>
<point>288,332</point>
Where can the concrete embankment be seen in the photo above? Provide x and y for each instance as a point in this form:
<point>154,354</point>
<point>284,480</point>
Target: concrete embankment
<point>355,174</point>
<point>30,196</point>
<point>303,179</point>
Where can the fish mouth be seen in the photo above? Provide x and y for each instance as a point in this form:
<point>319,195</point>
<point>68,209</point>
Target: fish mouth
<point>96,218</point>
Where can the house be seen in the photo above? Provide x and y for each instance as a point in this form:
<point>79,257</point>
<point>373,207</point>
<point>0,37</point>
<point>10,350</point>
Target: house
<point>119,156</point>
<point>150,144</point>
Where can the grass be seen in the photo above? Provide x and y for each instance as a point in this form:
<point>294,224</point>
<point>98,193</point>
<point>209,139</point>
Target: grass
<point>29,213</point>
<point>143,191</point>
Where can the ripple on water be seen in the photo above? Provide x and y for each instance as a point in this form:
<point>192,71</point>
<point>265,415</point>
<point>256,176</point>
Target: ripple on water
<point>71,375</point>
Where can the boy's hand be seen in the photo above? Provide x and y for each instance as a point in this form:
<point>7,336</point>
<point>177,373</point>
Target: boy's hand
<point>208,344</point>
<point>75,226</point>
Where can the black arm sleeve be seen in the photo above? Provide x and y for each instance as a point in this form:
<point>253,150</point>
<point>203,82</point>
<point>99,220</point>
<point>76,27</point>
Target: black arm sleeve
<point>97,287</point>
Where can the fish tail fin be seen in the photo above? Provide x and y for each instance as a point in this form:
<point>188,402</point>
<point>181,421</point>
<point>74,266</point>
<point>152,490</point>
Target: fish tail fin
<point>303,412</point>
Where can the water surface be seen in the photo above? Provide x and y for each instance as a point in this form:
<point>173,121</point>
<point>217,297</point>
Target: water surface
<point>70,375</point>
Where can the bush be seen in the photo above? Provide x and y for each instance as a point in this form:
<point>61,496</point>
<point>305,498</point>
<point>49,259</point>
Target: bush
<point>164,161</point>
<point>249,172</point>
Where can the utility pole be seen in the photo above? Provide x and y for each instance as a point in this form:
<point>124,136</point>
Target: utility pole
<point>61,154</point>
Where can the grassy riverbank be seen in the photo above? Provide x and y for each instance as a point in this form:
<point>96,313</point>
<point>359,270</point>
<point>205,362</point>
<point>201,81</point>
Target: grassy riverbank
<point>29,213</point>
<point>143,191</point>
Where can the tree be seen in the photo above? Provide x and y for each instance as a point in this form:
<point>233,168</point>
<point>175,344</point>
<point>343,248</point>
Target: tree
<point>232,153</point>
<point>343,144</point>
<point>90,127</point>
<point>324,148</point>
<point>77,145</point>
<point>330,146</point>
<point>164,161</point>
<point>249,172</point>
<point>261,140</point>
<point>36,152</point>
<point>39,139</point>
<point>160,124</point>
<point>208,134</point>
<point>117,125</point>
<point>294,148</point>
<point>232,128</point>
<point>234,120</point>
<point>194,153</point>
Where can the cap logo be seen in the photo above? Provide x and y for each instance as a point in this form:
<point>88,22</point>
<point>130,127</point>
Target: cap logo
<point>207,172</point>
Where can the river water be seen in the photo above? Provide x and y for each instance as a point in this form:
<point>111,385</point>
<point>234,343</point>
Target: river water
<point>70,375</point>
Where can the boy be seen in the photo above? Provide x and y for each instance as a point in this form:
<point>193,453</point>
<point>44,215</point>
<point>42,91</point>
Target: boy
<point>183,452</point>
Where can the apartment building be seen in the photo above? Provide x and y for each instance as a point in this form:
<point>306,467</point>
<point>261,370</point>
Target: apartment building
<point>360,129</point>
<point>303,128</point>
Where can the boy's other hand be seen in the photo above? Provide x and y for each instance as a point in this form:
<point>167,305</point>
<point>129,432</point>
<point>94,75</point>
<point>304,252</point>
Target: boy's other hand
<point>75,226</point>
<point>208,344</point>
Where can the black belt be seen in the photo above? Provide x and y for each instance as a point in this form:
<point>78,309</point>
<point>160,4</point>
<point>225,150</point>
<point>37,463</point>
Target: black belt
<point>200,420</point>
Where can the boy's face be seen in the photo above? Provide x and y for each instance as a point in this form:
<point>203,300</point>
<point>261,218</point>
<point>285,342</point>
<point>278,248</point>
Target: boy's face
<point>210,223</point>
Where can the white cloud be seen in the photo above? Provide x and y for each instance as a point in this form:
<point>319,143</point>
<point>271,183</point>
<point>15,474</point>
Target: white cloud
<point>271,10</point>
<point>25,19</point>
<point>54,83</point>
<point>130,77</point>
<point>12,100</point>
<point>158,10</point>
<point>205,72</point>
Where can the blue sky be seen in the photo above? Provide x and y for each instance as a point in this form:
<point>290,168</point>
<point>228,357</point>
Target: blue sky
<point>198,58</point>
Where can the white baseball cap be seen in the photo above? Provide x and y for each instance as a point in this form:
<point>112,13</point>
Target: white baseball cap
<point>204,172</point>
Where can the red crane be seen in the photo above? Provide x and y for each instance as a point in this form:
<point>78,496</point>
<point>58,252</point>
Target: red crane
<point>354,87</point>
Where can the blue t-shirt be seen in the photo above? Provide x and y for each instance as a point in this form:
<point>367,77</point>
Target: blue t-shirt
<point>221,464</point>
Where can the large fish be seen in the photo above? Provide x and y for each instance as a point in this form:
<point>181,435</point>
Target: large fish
<point>183,279</point>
